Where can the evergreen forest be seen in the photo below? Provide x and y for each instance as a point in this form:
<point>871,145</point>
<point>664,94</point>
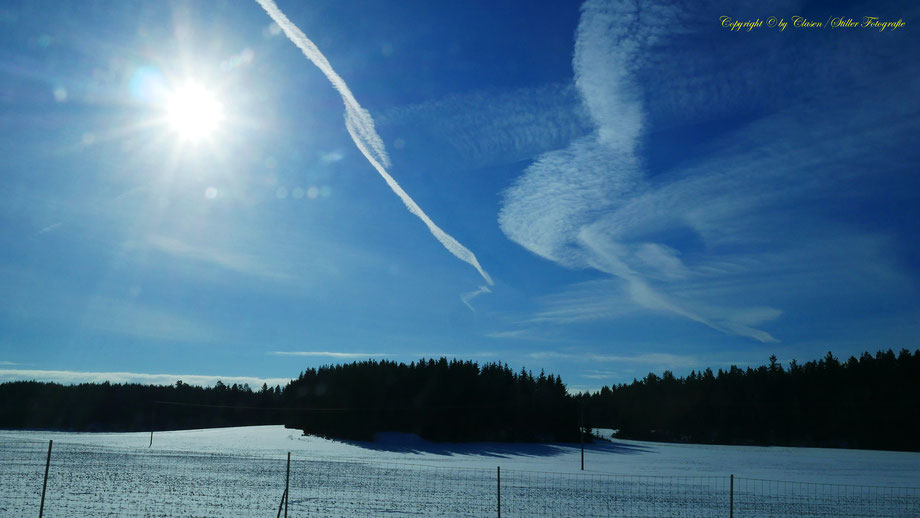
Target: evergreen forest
<point>871,402</point>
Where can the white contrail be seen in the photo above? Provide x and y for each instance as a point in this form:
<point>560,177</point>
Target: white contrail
<point>467,297</point>
<point>360,126</point>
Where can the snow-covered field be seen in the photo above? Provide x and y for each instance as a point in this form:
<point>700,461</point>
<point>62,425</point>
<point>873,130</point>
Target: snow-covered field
<point>241,472</point>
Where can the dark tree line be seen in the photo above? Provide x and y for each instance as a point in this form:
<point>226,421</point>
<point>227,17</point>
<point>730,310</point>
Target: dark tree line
<point>436,399</point>
<point>865,402</point>
<point>134,407</point>
<point>870,402</point>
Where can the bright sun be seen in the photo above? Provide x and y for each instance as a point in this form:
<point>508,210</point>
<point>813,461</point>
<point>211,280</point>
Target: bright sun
<point>193,112</point>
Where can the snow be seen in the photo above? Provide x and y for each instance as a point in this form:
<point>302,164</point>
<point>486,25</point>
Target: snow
<point>823,465</point>
<point>240,472</point>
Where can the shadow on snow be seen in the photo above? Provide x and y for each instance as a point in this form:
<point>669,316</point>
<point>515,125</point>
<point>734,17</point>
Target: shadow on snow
<point>409,443</point>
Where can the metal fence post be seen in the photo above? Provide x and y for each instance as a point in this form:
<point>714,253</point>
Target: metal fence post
<point>153,420</point>
<point>731,496</point>
<point>281,504</point>
<point>41,508</point>
<point>287,480</point>
<point>499,492</point>
<point>581,426</point>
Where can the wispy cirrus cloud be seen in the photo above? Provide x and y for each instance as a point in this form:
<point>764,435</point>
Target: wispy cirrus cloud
<point>490,127</point>
<point>668,360</point>
<point>413,356</point>
<point>594,374</point>
<point>583,302</point>
<point>75,377</point>
<point>50,228</point>
<point>360,126</point>
<point>328,354</point>
<point>746,204</point>
<point>513,333</point>
<point>467,297</point>
<point>246,264</point>
<point>130,318</point>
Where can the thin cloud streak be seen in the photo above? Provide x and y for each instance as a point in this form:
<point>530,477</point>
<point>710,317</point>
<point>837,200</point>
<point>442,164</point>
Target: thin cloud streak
<point>360,126</point>
<point>467,297</point>
<point>238,263</point>
<point>599,375</point>
<point>583,302</point>
<point>658,361</point>
<point>327,354</point>
<point>50,228</point>
<point>515,333</point>
<point>76,377</point>
<point>341,355</point>
<point>111,315</point>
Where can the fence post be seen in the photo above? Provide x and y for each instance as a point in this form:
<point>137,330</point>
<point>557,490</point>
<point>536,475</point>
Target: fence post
<point>281,504</point>
<point>499,492</point>
<point>731,496</point>
<point>153,419</point>
<point>581,423</point>
<point>287,480</point>
<point>41,508</point>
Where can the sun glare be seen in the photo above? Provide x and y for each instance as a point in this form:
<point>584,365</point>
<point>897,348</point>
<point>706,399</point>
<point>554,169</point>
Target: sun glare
<point>193,112</point>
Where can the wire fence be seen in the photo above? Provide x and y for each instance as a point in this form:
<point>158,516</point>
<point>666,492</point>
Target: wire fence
<point>120,482</point>
<point>774,498</point>
<point>530,493</point>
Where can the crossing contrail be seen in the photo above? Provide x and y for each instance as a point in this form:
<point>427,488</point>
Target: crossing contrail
<point>467,297</point>
<point>360,126</point>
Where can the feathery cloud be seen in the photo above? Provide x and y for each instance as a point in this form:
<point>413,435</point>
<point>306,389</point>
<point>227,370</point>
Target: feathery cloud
<point>752,202</point>
<point>490,127</point>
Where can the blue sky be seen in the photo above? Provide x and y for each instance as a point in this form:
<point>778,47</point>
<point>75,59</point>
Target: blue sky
<point>641,189</point>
